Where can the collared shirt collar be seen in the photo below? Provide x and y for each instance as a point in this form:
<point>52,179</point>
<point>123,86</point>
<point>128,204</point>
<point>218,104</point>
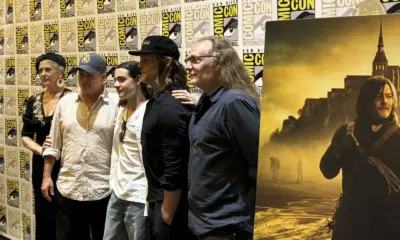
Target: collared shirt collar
<point>103,95</point>
<point>159,95</point>
<point>214,95</point>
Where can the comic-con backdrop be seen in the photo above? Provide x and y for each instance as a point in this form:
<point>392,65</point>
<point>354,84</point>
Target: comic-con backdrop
<point>29,28</point>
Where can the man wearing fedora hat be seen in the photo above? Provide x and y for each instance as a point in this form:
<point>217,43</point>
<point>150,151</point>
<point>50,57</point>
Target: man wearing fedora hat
<point>165,139</point>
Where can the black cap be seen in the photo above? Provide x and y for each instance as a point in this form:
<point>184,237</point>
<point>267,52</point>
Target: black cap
<point>54,57</point>
<point>92,63</point>
<point>158,45</point>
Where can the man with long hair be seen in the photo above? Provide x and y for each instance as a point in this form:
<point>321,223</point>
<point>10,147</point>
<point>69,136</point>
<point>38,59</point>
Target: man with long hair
<point>165,139</point>
<point>365,151</point>
<point>224,135</point>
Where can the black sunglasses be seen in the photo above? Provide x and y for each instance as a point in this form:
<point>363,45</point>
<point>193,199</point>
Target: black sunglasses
<point>123,130</point>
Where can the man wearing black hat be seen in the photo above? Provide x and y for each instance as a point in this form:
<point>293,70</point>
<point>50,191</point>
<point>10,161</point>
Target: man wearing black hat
<point>165,139</point>
<point>83,126</point>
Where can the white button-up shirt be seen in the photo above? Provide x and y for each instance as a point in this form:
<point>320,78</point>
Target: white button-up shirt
<point>85,137</point>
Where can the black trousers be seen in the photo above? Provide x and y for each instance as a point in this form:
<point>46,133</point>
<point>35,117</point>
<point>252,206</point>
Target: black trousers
<point>178,230</point>
<point>227,234</point>
<point>45,211</point>
<point>77,219</point>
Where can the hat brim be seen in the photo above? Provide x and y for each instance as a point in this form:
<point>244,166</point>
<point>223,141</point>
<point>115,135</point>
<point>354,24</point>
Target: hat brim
<point>86,68</point>
<point>141,52</point>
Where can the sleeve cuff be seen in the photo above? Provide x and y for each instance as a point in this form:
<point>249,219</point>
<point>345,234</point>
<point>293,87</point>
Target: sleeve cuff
<point>51,152</point>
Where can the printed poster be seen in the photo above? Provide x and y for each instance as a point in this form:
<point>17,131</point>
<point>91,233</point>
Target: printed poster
<point>126,5</point>
<point>87,34</point>
<point>50,9</point>
<point>126,57</point>
<point>51,37</point>
<point>23,95</point>
<point>70,73</point>
<point>3,185</point>
<point>9,40</point>
<point>26,196</point>
<point>148,4</point>
<point>292,10</point>
<point>296,196</point>
<point>10,71</point>
<point>106,6</point>
<point>253,60</point>
<point>150,23</point>
<point>127,31</point>
<point>107,30</point>
<point>111,60</point>
<point>86,7</point>
<point>68,35</point>
<point>35,10</point>
<point>21,11</point>
<point>14,220</point>
<point>2,39</point>
<point>172,25</point>
<point>35,77</point>
<point>11,139</point>
<point>23,73</point>
<point>67,8</point>
<point>12,159</point>
<point>255,13</point>
<point>25,165</point>
<point>10,101</point>
<point>1,102</point>
<point>26,226</point>
<point>22,42</point>
<point>9,11</point>
<point>197,22</point>
<point>13,192</point>
<point>2,130</point>
<point>225,20</point>
<point>3,218</point>
<point>2,162</point>
<point>36,38</point>
<point>2,69</point>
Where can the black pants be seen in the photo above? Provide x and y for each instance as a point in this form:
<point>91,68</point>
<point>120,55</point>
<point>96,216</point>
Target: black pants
<point>45,211</point>
<point>76,219</point>
<point>178,230</point>
<point>222,234</point>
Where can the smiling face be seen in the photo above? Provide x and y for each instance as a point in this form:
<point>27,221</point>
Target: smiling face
<point>126,86</point>
<point>49,73</point>
<point>200,66</point>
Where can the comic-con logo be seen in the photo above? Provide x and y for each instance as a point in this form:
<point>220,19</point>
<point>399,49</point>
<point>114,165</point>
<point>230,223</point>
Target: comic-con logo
<point>51,37</point>
<point>67,8</point>
<point>10,71</point>
<point>226,22</point>
<point>87,36</point>
<point>296,9</point>
<point>254,63</point>
<point>35,10</point>
<point>22,40</point>
<point>171,26</point>
<point>127,33</point>
<point>197,24</point>
<point>255,15</point>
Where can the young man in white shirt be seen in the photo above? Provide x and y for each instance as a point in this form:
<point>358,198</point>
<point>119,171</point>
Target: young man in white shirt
<point>127,209</point>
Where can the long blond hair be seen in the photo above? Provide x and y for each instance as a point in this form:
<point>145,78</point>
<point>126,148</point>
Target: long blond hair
<point>233,74</point>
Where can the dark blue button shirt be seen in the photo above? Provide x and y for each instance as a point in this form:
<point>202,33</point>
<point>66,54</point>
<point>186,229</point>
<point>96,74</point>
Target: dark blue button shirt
<point>224,135</point>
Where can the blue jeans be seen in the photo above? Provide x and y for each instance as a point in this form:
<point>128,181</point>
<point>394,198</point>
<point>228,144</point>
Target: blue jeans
<point>125,220</point>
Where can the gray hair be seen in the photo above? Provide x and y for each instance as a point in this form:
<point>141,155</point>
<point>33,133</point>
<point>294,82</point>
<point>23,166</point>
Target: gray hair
<point>56,66</point>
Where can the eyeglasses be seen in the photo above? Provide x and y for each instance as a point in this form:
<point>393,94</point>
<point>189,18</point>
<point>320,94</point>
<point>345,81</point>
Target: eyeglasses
<point>196,59</point>
<point>122,133</point>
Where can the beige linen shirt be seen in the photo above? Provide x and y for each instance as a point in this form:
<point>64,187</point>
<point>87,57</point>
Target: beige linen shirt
<point>84,140</point>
